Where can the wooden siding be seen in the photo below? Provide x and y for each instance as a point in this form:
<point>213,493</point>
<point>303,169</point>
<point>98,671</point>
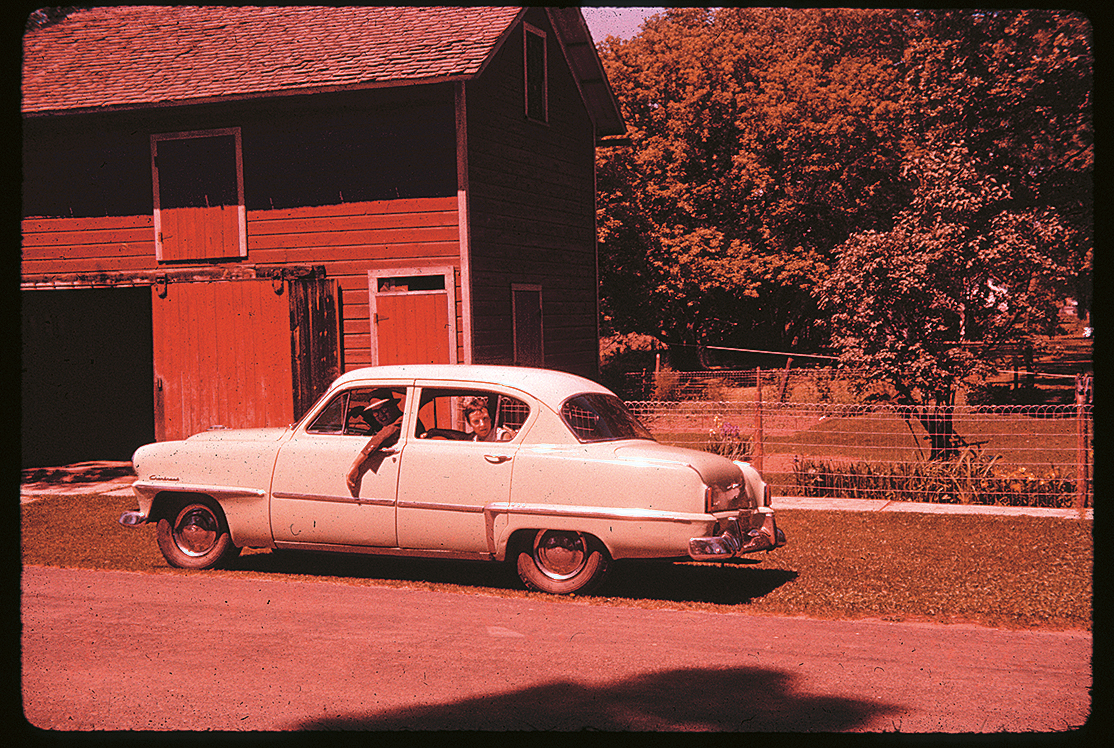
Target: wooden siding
<point>53,246</point>
<point>532,209</point>
<point>346,239</point>
<point>352,238</point>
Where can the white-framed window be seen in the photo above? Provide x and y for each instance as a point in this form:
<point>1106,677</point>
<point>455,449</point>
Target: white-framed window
<point>537,73</point>
<point>526,308</point>
<point>198,180</point>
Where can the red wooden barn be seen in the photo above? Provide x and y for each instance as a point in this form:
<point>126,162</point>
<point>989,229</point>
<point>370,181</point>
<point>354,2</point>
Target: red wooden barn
<point>226,207</point>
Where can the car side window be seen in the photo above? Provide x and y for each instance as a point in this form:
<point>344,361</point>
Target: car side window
<point>469,415</point>
<point>349,412</point>
<point>331,419</point>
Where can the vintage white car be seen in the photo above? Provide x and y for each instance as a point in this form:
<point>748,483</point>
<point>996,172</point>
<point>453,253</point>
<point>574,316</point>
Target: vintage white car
<point>575,482</point>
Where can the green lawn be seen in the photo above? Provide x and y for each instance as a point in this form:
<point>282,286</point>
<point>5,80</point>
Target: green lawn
<point>1022,572</point>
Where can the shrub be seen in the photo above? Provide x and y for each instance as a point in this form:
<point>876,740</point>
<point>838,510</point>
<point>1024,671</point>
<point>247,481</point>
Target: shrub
<point>625,361</point>
<point>974,478</point>
<point>725,439</point>
<point>667,386</point>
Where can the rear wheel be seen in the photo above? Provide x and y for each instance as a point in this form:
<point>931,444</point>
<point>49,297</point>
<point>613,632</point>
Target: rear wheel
<point>562,562</point>
<point>197,537</point>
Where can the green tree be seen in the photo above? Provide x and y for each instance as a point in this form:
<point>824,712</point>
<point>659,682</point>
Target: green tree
<point>912,187</point>
<point>761,139</point>
<point>998,148</point>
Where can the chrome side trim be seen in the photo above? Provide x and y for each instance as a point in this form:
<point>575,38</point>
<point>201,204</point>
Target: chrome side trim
<point>153,487</point>
<point>331,498</point>
<point>591,512</point>
<point>579,512</point>
<point>386,551</point>
<point>444,507</point>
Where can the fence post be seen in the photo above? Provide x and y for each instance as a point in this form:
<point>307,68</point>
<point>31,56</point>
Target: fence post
<point>1081,445</point>
<point>758,415</point>
<point>784,380</point>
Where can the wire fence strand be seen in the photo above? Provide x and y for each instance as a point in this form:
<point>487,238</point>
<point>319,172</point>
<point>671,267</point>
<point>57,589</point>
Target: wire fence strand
<point>991,455</point>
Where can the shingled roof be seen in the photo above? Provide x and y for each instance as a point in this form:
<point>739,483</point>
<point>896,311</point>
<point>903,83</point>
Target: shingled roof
<point>140,56</point>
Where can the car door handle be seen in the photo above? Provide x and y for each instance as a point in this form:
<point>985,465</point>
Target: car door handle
<point>497,459</point>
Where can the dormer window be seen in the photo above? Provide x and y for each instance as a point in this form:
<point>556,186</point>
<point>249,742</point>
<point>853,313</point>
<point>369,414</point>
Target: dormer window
<point>537,75</point>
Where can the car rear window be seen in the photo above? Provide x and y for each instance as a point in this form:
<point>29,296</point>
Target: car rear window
<point>598,417</point>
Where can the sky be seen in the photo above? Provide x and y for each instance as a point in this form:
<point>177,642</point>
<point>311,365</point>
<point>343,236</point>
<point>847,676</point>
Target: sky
<point>621,22</point>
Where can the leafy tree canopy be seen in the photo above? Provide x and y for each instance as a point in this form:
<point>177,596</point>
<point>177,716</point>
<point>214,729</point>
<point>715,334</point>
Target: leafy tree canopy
<point>761,140</point>
<point>895,183</point>
<point>997,147</point>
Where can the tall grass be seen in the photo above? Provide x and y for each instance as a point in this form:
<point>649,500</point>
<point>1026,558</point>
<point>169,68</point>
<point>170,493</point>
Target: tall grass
<point>974,478</point>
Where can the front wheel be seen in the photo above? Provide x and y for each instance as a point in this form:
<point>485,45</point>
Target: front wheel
<point>562,562</point>
<point>197,537</point>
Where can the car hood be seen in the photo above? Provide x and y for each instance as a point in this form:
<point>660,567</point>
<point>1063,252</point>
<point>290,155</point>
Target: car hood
<point>271,434</point>
<point>713,469</point>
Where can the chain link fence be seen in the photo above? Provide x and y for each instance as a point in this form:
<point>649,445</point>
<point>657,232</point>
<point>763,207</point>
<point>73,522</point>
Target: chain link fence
<point>992,455</point>
<point>824,384</point>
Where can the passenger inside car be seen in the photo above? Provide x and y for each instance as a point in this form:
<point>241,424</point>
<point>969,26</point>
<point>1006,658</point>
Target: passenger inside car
<point>477,416</point>
<point>357,422</point>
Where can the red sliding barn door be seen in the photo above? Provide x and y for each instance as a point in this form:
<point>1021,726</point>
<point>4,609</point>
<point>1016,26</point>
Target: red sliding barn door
<point>222,355</point>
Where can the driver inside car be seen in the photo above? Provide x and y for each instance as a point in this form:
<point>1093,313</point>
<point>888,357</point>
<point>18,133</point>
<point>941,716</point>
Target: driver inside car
<point>388,419</point>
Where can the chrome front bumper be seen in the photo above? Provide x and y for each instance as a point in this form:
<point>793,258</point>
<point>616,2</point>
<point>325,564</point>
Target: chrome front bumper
<point>761,535</point>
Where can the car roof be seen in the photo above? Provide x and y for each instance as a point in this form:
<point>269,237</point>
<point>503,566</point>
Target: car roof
<point>549,386</point>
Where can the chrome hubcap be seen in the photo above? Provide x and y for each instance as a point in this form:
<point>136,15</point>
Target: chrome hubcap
<point>196,532</point>
<point>560,555</point>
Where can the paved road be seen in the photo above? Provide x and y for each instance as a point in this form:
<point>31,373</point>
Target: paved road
<point>126,651</point>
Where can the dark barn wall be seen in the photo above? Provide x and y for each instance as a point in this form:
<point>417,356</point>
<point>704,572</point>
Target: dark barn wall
<point>532,209</point>
<point>297,152</point>
<point>86,384</point>
<point>353,147</point>
<point>344,180</point>
<point>87,167</point>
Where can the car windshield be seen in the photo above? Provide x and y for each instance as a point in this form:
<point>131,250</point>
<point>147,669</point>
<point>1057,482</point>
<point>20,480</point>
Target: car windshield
<point>598,417</point>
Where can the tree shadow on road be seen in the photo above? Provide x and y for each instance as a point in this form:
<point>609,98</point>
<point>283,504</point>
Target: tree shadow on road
<point>721,584</point>
<point>698,699</point>
<point>97,471</point>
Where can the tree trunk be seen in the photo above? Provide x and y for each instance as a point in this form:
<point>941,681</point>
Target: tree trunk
<point>938,423</point>
<point>944,442</point>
